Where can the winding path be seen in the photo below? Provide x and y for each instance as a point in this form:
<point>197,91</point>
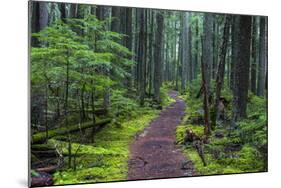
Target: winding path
<point>154,154</point>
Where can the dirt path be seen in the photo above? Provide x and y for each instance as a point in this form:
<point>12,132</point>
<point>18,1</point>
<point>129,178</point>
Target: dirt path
<point>154,154</point>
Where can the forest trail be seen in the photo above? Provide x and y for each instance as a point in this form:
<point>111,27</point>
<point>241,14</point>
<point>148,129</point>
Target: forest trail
<point>154,154</point>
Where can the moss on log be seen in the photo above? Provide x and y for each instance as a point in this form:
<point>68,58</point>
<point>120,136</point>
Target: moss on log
<point>42,147</point>
<point>41,137</point>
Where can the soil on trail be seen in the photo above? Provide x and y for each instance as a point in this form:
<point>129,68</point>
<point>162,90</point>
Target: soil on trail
<point>154,153</point>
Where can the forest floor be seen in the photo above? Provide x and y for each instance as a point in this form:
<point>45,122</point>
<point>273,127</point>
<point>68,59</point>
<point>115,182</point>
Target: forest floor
<point>154,153</point>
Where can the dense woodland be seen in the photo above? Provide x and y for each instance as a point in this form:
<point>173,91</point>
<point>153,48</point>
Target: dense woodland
<point>100,74</point>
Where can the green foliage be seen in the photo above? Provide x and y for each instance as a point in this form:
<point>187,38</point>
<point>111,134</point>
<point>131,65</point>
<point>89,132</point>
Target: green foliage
<point>166,100</point>
<point>248,158</point>
<point>180,134</point>
<point>197,129</point>
<point>122,106</point>
<point>106,159</point>
<point>243,149</point>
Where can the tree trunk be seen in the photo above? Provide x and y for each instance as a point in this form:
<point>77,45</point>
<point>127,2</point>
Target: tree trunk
<point>151,50</point>
<point>242,66</point>
<point>158,56</point>
<point>184,51</point>
<point>141,57</point>
<point>254,57</point>
<point>196,55</point>
<point>46,114</point>
<point>234,48</point>
<point>189,56</point>
<point>261,73</point>
<point>207,129</point>
<point>115,24</point>
<point>208,48</point>
<point>221,68</point>
<point>93,114</point>
<point>66,110</point>
<point>43,15</point>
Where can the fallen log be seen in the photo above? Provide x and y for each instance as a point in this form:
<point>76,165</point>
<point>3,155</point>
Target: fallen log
<point>48,169</point>
<point>98,111</point>
<point>41,137</point>
<point>45,153</point>
<point>42,147</point>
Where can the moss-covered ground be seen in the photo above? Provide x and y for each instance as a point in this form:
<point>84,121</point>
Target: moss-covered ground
<point>231,148</point>
<point>106,159</point>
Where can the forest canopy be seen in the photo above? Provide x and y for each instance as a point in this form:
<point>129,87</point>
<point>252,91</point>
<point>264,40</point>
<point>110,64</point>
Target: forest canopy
<point>100,75</point>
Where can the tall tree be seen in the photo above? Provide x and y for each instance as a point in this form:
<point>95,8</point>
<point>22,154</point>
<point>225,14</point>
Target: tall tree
<point>242,66</point>
<point>115,23</point>
<point>151,50</point>
<point>262,58</point>
<point>157,55</point>
<point>254,56</point>
<point>234,50</point>
<point>206,63</point>
<point>221,67</point>
<point>102,14</point>
<point>141,56</point>
<point>184,50</point>
<point>207,51</point>
<point>197,53</point>
<point>43,15</point>
<point>189,55</point>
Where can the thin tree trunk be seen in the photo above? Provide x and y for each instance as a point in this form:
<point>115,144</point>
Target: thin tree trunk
<point>221,67</point>
<point>207,129</point>
<point>66,111</point>
<point>254,57</point>
<point>141,57</point>
<point>93,114</point>
<point>261,73</point>
<point>46,114</point>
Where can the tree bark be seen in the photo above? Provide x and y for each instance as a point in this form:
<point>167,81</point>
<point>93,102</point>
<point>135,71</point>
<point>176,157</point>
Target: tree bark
<point>208,48</point>
<point>184,51</point>
<point>141,56</point>
<point>157,55</point>
<point>221,67</point>
<point>242,66</point>
<point>261,73</point>
<point>43,15</point>
<point>207,129</point>
<point>254,56</point>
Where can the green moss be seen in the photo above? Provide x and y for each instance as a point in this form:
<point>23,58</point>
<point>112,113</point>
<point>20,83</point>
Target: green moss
<point>39,137</point>
<point>166,100</point>
<point>243,149</point>
<point>180,134</point>
<point>107,158</point>
<point>248,158</point>
<point>213,166</point>
<point>197,129</point>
